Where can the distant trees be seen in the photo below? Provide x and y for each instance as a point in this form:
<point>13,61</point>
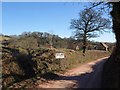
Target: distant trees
<point>89,23</point>
<point>29,43</point>
<point>33,40</point>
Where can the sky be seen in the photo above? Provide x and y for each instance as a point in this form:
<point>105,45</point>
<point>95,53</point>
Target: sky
<point>48,17</point>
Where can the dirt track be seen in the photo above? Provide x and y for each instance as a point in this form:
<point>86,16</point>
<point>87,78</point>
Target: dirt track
<point>85,76</point>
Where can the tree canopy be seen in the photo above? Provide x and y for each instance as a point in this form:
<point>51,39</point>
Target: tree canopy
<point>88,25</point>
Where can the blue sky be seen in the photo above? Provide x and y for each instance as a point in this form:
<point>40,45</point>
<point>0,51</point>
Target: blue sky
<point>43,17</point>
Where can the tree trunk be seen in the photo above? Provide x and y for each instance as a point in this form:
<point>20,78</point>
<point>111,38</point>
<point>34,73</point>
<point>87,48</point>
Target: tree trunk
<point>111,69</point>
<point>84,44</point>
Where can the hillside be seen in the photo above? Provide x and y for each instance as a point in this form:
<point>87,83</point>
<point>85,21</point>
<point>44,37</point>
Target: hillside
<point>35,40</point>
<point>29,55</point>
<point>2,38</point>
<point>18,65</point>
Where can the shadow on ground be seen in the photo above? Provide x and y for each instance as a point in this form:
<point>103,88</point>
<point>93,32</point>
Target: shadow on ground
<point>88,79</point>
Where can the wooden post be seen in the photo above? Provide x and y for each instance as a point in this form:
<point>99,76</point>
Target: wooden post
<point>59,64</point>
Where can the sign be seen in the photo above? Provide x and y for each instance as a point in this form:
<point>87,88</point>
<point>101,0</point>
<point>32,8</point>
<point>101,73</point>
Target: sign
<point>59,55</point>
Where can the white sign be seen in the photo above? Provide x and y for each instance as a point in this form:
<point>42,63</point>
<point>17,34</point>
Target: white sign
<point>59,55</point>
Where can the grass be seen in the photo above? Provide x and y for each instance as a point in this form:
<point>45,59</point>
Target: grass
<point>75,58</point>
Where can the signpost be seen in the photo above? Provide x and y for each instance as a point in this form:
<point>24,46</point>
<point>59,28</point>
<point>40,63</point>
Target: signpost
<point>59,56</point>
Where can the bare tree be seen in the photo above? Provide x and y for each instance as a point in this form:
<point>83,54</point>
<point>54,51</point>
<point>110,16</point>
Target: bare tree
<point>88,25</point>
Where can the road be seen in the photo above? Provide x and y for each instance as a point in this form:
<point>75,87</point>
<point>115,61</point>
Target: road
<point>85,76</point>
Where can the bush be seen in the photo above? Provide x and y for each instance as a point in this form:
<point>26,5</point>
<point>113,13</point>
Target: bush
<point>44,60</point>
<point>10,68</point>
<point>16,66</point>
